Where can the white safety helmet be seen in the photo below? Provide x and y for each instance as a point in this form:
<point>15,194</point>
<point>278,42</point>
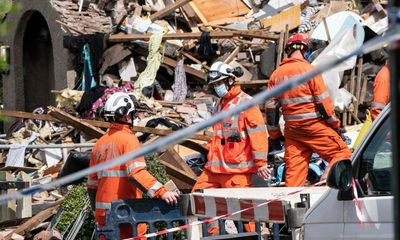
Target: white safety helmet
<point>220,71</point>
<point>118,105</point>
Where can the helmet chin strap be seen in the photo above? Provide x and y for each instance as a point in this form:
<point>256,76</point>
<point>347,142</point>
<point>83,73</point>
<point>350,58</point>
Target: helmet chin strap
<point>230,86</point>
<point>118,120</point>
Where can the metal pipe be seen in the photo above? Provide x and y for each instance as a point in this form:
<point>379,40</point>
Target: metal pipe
<point>394,63</point>
<point>39,146</point>
<point>182,134</point>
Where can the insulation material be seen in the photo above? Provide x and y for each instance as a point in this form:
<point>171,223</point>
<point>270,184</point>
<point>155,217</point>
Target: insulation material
<point>69,99</point>
<point>180,86</point>
<point>148,76</point>
<point>340,46</point>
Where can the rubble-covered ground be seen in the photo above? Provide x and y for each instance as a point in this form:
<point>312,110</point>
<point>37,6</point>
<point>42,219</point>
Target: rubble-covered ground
<point>159,51</point>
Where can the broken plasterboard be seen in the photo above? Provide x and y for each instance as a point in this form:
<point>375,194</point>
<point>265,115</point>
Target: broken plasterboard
<point>127,69</point>
<point>51,156</point>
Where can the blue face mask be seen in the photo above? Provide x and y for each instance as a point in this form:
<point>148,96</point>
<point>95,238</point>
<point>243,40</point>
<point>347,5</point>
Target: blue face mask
<point>221,90</point>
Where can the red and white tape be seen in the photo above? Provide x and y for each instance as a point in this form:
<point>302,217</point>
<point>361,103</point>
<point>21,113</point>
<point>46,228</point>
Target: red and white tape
<point>361,217</point>
<point>211,206</point>
<point>357,203</point>
<point>227,215</point>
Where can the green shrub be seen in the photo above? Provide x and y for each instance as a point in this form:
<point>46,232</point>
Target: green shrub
<point>72,206</point>
<point>156,168</point>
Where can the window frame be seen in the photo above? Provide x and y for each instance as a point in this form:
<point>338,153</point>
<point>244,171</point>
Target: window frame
<point>358,153</point>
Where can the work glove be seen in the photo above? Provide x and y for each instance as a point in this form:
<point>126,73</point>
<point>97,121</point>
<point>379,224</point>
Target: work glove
<point>276,144</point>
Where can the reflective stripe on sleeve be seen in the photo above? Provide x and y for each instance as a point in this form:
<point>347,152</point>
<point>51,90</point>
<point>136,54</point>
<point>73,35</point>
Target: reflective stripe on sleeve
<point>271,104</point>
<point>112,173</point>
<point>378,105</point>
<point>154,189</point>
<point>331,119</point>
<point>322,96</point>
<point>302,116</point>
<point>304,99</point>
<point>136,165</point>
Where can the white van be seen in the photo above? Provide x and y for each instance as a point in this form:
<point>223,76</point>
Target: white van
<point>334,216</point>
<point>332,213</point>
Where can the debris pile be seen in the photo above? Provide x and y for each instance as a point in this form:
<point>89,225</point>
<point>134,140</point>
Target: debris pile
<point>159,52</point>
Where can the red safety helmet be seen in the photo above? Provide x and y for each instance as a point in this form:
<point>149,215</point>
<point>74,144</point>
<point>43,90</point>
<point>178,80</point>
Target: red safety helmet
<point>297,41</point>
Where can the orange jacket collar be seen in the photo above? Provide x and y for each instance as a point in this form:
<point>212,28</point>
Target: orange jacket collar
<point>293,60</point>
<point>236,90</point>
<point>119,126</point>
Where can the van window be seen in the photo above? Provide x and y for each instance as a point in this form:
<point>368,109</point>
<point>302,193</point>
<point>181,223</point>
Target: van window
<point>375,172</point>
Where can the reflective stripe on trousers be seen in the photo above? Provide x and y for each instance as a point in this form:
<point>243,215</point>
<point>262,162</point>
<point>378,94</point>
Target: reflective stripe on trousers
<point>302,116</point>
<point>258,128</point>
<point>220,163</point>
<point>103,205</point>
<point>378,105</point>
<point>273,127</point>
<point>258,155</point>
<point>92,182</point>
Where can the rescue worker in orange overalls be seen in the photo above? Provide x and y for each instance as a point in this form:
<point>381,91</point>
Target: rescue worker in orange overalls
<point>310,121</point>
<point>125,181</point>
<point>239,146</point>
<point>381,94</point>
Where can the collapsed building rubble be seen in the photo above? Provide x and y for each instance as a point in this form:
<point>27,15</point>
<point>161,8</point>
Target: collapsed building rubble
<point>159,52</point>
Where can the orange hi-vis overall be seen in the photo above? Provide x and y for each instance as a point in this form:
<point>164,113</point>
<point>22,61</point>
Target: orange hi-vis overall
<point>113,183</point>
<point>381,96</point>
<point>310,121</point>
<point>237,149</point>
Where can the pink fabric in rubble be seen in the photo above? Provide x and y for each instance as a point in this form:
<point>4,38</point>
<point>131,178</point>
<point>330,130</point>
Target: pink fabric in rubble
<point>101,101</point>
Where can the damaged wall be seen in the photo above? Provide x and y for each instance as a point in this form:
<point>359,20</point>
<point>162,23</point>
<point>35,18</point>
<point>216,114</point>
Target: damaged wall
<point>38,60</point>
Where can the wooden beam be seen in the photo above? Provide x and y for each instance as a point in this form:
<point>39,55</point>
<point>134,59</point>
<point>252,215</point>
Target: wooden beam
<point>233,54</point>
<point>34,221</point>
<point>178,173</point>
<point>194,146</point>
<point>9,208</point>
<point>189,70</point>
<point>195,35</point>
<point>101,124</point>
<point>252,83</point>
<point>172,157</point>
<point>168,9</point>
<point>76,122</point>
<point>24,205</point>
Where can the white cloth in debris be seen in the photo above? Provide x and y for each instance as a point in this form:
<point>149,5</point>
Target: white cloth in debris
<point>16,153</point>
<point>180,85</point>
<point>147,77</point>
